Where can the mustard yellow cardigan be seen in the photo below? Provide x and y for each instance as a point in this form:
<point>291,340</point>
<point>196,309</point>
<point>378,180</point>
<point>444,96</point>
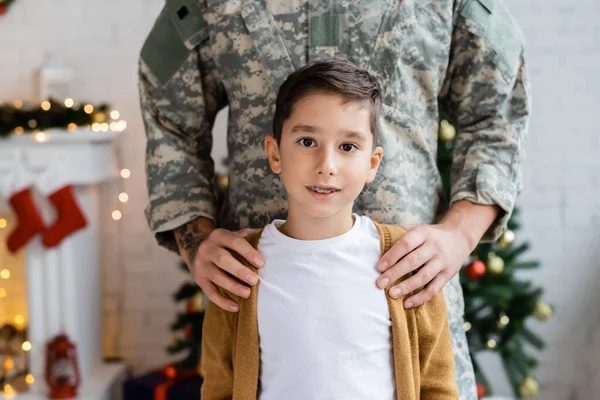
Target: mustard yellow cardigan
<point>422,350</point>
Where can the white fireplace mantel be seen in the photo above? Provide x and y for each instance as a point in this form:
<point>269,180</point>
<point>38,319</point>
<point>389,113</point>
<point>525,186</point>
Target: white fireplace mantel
<point>90,156</point>
<point>64,283</point>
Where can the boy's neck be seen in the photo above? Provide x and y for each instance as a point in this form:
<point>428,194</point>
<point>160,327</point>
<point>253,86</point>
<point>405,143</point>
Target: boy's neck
<point>306,227</point>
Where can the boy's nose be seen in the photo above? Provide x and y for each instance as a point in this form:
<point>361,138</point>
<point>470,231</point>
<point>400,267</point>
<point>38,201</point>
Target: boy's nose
<point>327,164</point>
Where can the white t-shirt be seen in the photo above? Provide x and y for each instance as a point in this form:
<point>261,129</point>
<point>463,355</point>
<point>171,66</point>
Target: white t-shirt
<point>324,326</point>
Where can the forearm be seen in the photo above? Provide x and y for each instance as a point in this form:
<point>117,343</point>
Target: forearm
<point>178,111</point>
<point>471,219</point>
<point>191,235</point>
<point>490,110</point>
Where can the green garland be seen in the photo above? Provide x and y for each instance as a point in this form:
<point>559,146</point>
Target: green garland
<point>4,5</point>
<point>25,118</point>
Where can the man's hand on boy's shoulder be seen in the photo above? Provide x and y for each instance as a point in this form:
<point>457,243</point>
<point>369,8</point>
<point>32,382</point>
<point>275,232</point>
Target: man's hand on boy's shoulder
<point>207,255</point>
<point>439,249</point>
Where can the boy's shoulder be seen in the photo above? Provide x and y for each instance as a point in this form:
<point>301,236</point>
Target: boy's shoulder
<point>388,234</point>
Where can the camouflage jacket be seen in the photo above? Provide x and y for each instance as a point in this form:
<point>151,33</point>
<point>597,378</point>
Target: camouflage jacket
<point>462,57</point>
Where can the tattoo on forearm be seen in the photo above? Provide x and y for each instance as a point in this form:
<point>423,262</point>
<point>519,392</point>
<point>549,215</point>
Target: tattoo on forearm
<point>189,237</point>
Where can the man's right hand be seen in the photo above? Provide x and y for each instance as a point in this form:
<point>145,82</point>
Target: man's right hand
<point>206,253</point>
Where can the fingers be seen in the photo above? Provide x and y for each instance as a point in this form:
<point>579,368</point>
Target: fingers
<point>225,261</point>
<point>401,248</point>
<point>221,279</point>
<point>418,280</point>
<point>213,295</point>
<point>237,243</point>
<point>432,290</point>
<point>409,263</point>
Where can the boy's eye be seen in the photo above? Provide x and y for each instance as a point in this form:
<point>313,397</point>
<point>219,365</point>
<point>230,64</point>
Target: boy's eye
<point>348,147</point>
<point>306,142</point>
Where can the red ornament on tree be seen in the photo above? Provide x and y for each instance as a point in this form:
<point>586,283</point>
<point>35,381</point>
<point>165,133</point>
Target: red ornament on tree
<point>480,390</point>
<point>2,9</point>
<point>62,368</point>
<point>475,270</point>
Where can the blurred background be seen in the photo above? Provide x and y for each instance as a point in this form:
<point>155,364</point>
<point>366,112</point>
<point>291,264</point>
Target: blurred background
<point>92,48</point>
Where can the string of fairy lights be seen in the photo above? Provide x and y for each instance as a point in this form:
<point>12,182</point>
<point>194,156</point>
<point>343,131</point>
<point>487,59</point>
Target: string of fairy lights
<point>9,366</point>
<point>100,120</point>
<point>19,118</point>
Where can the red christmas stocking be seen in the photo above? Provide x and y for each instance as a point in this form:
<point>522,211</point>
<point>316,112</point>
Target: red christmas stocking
<point>30,222</point>
<point>69,217</point>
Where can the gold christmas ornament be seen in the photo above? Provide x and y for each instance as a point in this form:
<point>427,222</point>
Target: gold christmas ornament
<point>197,303</point>
<point>491,344</point>
<point>503,320</point>
<point>223,181</point>
<point>495,264</point>
<point>507,238</point>
<point>99,117</point>
<point>174,341</point>
<point>529,387</point>
<point>542,311</point>
<point>447,132</point>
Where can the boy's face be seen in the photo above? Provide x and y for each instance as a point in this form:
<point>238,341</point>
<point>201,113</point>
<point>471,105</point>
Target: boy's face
<point>326,154</point>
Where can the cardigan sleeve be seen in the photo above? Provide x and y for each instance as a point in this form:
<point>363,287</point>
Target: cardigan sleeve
<point>436,359</point>
<point>218,338</point>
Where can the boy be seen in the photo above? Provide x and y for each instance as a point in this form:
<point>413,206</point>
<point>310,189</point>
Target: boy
<point>304,333</point>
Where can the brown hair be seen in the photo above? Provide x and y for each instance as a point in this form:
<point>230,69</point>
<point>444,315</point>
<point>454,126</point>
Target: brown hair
<point>331,75</point>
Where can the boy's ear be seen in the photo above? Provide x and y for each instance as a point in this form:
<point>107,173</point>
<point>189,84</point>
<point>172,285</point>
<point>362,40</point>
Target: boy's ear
<point>376,157</point>
<point>272,150</point>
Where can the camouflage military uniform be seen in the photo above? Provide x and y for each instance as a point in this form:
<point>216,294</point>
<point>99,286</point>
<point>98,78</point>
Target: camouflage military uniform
<point>464,57</point>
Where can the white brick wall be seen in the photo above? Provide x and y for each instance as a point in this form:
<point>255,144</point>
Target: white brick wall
<point>100,41</point>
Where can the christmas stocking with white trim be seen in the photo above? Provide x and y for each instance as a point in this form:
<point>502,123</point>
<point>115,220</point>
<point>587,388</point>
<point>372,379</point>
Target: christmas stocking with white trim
<point>17,188</point>
<point>29,220</point>
<point>68,217</point>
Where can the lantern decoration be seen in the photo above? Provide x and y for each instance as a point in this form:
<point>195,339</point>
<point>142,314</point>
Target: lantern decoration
<point>62,368</point>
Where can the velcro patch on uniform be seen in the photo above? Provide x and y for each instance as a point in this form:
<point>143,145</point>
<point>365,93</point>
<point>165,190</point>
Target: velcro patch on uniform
<point>324,30</point>
<point>188,19</point>
<point>163,52</point>
<point>496,25</point>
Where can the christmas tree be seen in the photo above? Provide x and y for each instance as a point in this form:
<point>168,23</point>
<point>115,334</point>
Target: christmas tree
<point>497,302</point>
<point>190,323</point>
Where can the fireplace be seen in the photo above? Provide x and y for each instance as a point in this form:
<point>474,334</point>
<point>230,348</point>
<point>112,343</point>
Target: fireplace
<point>60,287</point>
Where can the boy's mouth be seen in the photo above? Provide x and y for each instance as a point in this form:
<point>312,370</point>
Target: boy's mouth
<point>323,189</point>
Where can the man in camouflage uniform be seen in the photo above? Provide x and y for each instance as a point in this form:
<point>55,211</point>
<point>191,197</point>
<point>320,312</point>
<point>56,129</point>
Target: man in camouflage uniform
<point>462,57</point>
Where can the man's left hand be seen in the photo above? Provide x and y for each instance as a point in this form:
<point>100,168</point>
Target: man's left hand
<point>440,249</point>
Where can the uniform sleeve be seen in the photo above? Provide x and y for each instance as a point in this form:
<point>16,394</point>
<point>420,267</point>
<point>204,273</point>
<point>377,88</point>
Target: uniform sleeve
<point>218,334</point>
<point>180,95</point>
<point>436,359</point>
<point>486,94</point>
